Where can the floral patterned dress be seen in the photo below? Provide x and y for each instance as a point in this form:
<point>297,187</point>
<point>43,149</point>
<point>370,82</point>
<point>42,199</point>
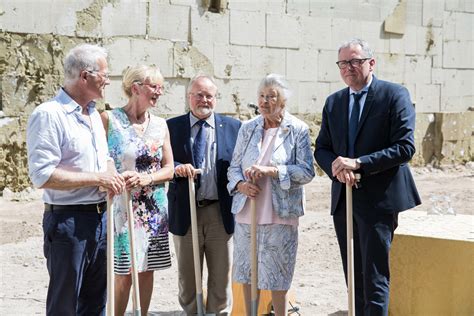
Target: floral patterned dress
<point>131,151</point>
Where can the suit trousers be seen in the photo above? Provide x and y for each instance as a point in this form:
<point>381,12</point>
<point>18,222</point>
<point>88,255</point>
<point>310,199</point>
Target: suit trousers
<point>217,247</point>
<point>373,235</point>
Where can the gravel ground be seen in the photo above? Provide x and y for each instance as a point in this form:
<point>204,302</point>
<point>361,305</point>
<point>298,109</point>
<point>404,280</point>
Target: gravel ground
<point>318,285</point>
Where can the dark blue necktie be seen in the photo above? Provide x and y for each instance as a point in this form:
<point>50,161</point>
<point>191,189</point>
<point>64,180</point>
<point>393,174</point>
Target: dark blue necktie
<point>353,124</point>
<point>200,144</point>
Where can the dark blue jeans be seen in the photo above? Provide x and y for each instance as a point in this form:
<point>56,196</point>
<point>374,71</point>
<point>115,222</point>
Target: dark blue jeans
<point>75,247</point>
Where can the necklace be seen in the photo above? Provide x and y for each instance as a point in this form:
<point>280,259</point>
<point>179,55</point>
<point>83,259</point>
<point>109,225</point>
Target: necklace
<point>139,127</point>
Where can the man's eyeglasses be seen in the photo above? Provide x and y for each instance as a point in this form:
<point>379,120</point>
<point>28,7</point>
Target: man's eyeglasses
<point>269,98</point>
<point>200,96</point>
<point>104,75</point>
<point>355,62</point>
<point>154,86</point>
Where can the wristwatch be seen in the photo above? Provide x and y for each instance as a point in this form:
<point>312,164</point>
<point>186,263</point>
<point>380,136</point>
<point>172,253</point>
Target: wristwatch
<point>359,162</point>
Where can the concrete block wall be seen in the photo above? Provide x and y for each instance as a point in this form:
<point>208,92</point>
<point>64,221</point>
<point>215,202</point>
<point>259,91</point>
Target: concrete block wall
<point>169,22</point>
<point>113,15</point>
<point>239,45</point>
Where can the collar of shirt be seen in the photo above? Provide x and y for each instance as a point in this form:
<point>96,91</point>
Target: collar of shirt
<point>70,105</point>
<point>287,120</point>
<point>365,88</point>
<point>362,98</point>
<point>210,120</point>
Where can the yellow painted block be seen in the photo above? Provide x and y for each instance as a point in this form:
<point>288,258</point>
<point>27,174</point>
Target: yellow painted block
<point>264,302</point>
<point>431,276</point>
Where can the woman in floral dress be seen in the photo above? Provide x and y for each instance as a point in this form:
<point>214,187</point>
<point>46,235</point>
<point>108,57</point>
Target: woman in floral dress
<point>139,144</point>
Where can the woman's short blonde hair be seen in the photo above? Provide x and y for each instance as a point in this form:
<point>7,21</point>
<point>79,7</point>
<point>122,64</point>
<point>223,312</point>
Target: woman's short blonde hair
<point>140,73</point>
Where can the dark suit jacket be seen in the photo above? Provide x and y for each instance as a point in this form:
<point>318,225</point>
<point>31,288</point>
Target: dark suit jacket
<point>178,195</point>
<point>384,143</point>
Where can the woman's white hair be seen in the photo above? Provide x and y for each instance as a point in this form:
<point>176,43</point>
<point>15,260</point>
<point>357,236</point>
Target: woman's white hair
<point>278,82</point>
<point>82,57</point>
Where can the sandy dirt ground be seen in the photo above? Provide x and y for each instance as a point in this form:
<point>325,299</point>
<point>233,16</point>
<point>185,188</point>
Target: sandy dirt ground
<point>318,284</point>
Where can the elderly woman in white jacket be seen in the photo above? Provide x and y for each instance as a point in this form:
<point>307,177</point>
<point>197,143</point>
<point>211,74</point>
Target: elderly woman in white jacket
<point>271,162</point>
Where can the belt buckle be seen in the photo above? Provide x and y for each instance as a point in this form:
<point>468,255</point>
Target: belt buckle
<point>99,211</point>
<point>200,203</point>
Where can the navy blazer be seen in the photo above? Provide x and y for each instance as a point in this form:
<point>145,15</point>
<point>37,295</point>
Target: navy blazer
<point>178,195</point>
<point>384,143</point>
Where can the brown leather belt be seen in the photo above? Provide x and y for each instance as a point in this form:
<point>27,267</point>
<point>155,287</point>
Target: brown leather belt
<point>204,203</point>
<point>98,208</point>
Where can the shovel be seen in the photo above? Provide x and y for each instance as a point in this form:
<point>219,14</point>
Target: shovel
<point>110,259</point>
<point>133,263</point>
<point>253,256</point>
<point>197,260</point>
<point>350,249</point>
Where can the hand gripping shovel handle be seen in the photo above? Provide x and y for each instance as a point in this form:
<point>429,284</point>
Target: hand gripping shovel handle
<point>196,256</point>
<point>350,249</point>
<point>133,263</point>
<point>110,259</point>
<point>253,256</point>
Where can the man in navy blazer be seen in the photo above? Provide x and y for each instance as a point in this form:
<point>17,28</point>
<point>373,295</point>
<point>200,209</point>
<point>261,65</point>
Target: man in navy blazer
<point>217,134</point>
<point>367,128</point>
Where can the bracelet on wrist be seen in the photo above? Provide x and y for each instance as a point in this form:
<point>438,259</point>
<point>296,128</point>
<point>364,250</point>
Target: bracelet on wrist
<point>239,183</point>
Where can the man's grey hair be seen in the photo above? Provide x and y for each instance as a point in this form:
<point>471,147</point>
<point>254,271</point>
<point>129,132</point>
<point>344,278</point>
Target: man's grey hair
<point>275,81</point>
<point>196,78</point>
<point>82,57</point>
<point>368,52</point>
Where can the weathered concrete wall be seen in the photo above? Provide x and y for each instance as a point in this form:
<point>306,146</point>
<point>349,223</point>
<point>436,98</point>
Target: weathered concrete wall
<point>424,45</point>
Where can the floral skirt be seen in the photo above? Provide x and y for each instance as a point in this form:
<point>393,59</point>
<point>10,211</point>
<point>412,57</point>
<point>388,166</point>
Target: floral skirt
<point>276,255</point>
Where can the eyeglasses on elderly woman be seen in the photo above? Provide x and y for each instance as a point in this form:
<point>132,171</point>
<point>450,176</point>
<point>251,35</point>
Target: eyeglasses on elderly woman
<point>268,97</point>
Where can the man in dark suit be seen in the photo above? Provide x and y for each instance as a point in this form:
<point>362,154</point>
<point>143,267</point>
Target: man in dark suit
<point>203,140</point>
<point>367,128</point>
